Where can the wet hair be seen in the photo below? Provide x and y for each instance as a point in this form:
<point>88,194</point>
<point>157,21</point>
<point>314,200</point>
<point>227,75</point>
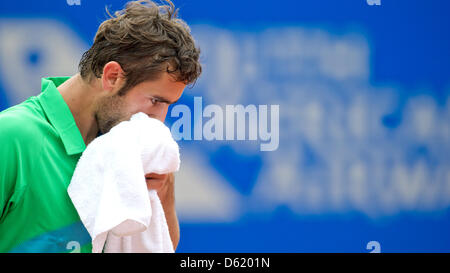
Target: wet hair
<point>146,39</point>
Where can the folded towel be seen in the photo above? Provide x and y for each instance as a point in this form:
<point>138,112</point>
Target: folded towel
<point>109,192</point>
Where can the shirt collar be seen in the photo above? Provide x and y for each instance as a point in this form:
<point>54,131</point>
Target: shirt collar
<point>60,115</point>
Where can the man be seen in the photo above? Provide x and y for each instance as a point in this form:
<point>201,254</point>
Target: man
<point>141,60</point>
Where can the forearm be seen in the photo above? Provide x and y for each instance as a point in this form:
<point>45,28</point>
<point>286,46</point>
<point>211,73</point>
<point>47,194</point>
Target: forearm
<point>172,223</point>
<point>167,196</point>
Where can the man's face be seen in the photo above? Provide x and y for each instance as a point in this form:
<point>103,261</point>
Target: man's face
<point>151,97</point>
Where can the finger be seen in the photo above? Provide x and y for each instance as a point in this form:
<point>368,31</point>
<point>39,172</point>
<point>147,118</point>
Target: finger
<point>155,181</point>
<point>156,176</point>
<point>155,184</point>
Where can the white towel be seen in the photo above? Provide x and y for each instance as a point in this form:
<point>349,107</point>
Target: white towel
<point>109,192</point>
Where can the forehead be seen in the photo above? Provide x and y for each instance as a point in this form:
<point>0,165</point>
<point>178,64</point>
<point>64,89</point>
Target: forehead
<point>165,85</point>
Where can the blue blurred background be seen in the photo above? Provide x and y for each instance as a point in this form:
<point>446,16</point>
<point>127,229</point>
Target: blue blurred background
<point>364,98</point>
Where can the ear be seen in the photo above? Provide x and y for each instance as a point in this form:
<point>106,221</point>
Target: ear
<point>113,77</point>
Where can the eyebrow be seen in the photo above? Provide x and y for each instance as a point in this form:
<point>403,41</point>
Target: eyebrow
<point>161,99</point>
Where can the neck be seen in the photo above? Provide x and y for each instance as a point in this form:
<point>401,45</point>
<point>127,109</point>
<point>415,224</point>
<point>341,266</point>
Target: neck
<point>81,97</point>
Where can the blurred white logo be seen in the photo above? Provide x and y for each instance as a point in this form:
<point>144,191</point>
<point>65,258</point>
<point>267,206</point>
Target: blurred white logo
<point>23,51</point>
<point>374,2</point>
<point>73,2</point>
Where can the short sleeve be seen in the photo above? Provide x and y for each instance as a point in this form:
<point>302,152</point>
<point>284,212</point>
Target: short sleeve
<point>8,161</point>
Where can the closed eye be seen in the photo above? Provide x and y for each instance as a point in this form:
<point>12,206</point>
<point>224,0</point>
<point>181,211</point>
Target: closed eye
<point>156,101</point>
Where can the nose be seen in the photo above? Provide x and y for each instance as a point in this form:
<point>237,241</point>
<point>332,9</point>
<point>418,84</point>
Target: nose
<point>158,113</point>
<point>157,117</point>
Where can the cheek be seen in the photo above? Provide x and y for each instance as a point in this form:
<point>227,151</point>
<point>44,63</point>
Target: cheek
<point>138,104</point>
<point>164,110</point>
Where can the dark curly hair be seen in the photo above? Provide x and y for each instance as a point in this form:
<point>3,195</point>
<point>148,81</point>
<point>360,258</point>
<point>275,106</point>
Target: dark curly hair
<point>145,39</point>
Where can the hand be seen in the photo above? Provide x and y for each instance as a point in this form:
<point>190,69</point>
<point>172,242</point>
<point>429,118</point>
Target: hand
<point>164,186</point>
<point>155,181</point>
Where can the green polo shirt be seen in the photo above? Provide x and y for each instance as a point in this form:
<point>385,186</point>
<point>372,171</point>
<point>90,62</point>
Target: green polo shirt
<point>40,145</point>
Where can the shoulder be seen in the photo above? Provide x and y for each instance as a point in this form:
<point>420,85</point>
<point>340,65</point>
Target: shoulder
<point>21,123</point>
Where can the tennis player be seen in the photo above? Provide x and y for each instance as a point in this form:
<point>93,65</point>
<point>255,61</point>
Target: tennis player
<point>141,60</point>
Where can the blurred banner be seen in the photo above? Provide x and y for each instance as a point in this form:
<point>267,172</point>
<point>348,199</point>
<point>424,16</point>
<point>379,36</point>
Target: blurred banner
<point>344,144</point>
